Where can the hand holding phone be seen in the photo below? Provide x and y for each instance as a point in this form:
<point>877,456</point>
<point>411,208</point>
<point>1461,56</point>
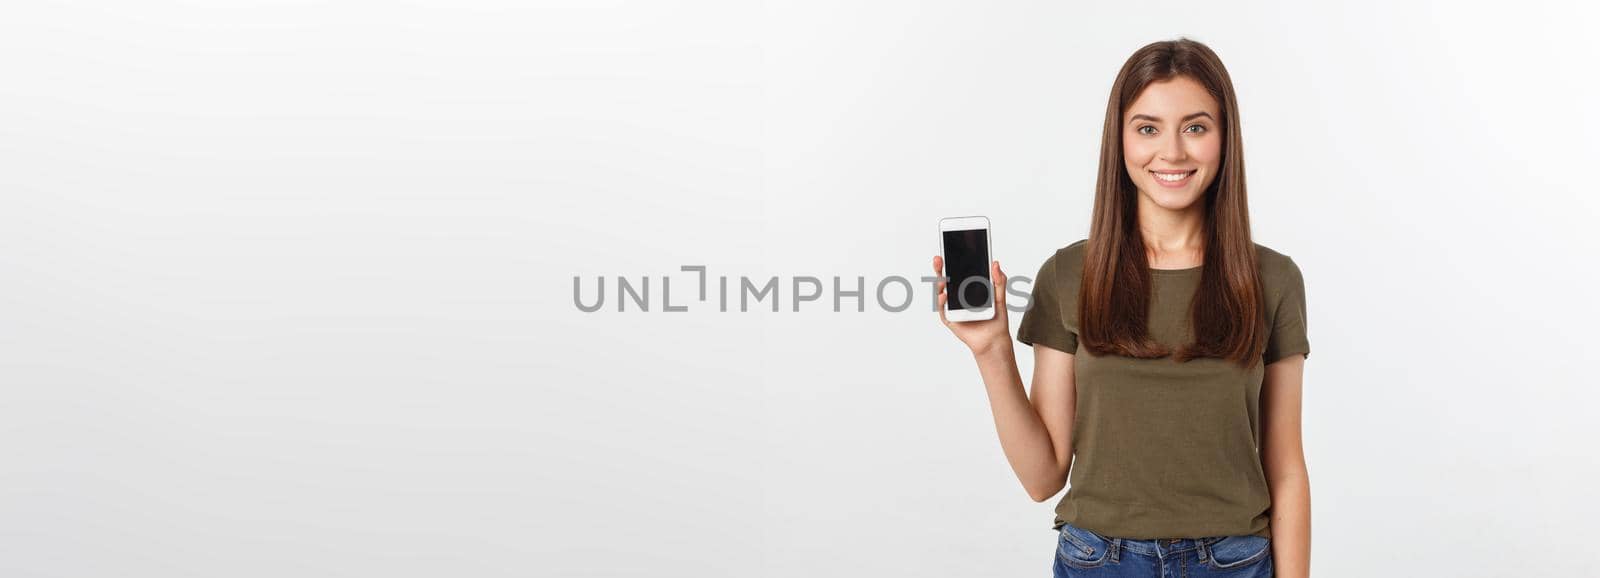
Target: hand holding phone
<point>971,299</point>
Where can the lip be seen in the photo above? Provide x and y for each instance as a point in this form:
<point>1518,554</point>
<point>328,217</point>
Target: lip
<point>1178,184</point>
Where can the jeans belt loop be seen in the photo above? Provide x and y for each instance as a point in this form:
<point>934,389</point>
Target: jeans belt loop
<point>1116,549</point>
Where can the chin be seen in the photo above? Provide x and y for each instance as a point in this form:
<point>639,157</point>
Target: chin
<point>1173,200</point>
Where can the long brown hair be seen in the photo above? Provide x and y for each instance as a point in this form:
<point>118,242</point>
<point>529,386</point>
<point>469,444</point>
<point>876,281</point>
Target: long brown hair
<point>1113,311</point>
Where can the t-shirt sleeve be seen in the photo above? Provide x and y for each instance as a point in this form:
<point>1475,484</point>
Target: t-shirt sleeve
<point>1288,334</point>
<point>1044,322</point>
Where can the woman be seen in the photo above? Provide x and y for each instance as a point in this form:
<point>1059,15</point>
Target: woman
<point>1168,347</point>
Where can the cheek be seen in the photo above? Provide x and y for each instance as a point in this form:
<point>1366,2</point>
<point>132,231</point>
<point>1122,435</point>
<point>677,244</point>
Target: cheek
<point>1208,151</point>
<point>1136,156</point>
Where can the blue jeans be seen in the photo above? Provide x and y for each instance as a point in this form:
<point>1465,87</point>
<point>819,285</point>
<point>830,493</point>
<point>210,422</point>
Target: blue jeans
<point>1083,553</point>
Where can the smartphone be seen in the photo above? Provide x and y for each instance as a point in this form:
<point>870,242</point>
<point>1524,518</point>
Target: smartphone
<point>964,242</point>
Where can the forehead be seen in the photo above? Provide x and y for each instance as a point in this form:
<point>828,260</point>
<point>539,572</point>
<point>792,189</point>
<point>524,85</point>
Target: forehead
<point>1173,98</point>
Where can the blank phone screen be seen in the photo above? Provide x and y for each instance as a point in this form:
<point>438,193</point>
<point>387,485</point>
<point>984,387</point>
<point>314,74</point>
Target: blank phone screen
<point>966,256</point>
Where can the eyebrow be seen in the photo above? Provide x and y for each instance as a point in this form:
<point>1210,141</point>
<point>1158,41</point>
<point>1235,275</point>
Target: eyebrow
<point>1192,115</point>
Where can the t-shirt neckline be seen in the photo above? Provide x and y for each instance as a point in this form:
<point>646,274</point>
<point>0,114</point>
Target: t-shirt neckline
<point>1194,269</point>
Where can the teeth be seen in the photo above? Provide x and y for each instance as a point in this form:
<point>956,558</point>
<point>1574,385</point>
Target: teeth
<point>1172,178</point>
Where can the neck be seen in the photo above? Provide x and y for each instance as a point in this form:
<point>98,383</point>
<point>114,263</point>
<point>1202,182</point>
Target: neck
<point>1180,233</point>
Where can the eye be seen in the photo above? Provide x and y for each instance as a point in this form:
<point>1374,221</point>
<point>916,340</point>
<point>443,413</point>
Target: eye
<point>1195,128</point>
<point>1147,130</point>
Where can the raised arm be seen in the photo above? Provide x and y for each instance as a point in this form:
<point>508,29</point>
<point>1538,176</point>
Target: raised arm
<point>1035,434</point>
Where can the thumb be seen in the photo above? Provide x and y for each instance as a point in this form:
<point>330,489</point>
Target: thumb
<point>999,278</point>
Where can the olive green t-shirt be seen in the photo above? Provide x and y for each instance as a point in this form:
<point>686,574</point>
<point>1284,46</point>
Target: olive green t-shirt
<point>1164,449</point>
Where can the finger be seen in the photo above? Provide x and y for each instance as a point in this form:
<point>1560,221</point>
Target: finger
<point>999,278</point>
<point>940,307</point>
<point>938,264</point>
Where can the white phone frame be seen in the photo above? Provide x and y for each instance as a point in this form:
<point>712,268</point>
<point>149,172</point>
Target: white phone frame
<point>968,224</point>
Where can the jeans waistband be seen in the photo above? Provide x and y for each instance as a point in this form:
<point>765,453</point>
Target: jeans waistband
<point>1161,547</point>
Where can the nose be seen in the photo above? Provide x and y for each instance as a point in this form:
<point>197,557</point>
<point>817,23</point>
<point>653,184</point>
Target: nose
<point>1172,149</point>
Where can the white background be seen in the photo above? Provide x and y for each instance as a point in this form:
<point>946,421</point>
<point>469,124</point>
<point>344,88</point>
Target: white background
<point>286,286</point>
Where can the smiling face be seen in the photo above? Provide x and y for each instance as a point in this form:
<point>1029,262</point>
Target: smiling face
<point>1172,142</point>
